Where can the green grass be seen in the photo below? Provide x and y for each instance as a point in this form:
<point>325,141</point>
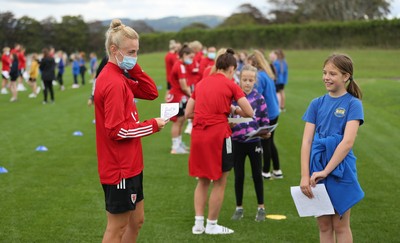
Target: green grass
<point>56,196</point>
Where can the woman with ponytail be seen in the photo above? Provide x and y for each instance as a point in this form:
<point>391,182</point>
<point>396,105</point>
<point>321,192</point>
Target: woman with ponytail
<point>211,156</point>
<point>332,122</point>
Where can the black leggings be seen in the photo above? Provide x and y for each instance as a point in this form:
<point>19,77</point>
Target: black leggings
<point>254,151</point>
<point>270,151</point>
<point>48,86</point>
<point>60,78</point>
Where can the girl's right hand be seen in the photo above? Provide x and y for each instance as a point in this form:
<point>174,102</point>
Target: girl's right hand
<point>306,187</point>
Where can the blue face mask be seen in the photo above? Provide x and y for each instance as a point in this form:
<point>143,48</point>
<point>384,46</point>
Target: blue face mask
<point>127,62</point>
<point>211,55</point>
<point>188,61</point>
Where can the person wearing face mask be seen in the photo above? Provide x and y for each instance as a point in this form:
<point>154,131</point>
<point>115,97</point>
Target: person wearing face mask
<point>180,93</point>
<point>209,60</point>
<point>5,69</point>
<point>119,131</point>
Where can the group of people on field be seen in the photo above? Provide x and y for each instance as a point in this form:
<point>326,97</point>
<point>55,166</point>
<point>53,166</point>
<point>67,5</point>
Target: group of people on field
<point>208,99</point>
<point>17,67</point>
<point>188,68</point>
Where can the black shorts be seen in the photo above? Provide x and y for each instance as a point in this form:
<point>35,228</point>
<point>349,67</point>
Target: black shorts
<point>182,106</point>
<point>227,155</point>
<point>124,196</point>
<point>13,78</point>
<point>279,87</point>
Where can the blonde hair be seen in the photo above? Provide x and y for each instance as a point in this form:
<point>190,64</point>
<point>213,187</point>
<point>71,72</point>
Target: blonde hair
<point>258,60</point>
<point>249,67</point>
<point>172,44</point>
<point>117,32</point>
<point>196,45</point>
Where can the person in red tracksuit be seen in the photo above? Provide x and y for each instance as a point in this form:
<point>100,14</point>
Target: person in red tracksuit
<point>179,93</point>
<point>118,133</point>
<point>170,58</point>
<point>5,69</point>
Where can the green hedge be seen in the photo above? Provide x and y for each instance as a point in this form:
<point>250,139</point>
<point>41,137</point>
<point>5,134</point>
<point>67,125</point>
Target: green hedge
<point>358,34</point>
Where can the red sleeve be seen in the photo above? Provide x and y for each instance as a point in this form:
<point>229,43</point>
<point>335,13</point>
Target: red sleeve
<point>203,66</point>
<point>118,125</point>
<point>237,91</point>
<point>144,86</point>
<point>182,72</point>
<point>128,130</point>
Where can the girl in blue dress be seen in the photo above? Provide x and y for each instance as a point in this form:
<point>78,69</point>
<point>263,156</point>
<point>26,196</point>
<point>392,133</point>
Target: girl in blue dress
<point>332,122</point>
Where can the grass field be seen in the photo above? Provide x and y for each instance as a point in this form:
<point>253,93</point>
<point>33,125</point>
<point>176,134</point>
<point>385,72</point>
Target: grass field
<point>55,196</point>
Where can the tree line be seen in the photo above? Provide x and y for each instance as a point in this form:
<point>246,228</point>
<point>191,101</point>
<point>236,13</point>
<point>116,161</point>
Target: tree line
<point>73,34</point>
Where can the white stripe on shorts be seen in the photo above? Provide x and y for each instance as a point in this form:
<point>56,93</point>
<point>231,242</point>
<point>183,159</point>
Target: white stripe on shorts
<point>121,184</point>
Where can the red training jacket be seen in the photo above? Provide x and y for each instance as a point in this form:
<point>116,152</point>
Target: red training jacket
<point>118,128</point>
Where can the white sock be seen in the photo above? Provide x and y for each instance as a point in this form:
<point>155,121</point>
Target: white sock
<point>239,207</point>
<point>199,220</point>
<point>212,222</point>
<point>176,142</point>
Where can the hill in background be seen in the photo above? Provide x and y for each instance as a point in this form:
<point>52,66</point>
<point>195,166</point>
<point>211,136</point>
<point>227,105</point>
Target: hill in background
<point>169,24</point>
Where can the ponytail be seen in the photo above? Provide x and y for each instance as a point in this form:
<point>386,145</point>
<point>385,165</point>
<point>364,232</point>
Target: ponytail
<point>353,89</point>
<point>226,60</point>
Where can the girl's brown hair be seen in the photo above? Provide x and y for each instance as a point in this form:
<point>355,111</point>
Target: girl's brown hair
<point>345,65</point>
<point>226,60</point>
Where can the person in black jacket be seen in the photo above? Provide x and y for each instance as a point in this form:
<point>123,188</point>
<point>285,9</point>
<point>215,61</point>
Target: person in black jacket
<point>47,68</point>
<point>13,77</point>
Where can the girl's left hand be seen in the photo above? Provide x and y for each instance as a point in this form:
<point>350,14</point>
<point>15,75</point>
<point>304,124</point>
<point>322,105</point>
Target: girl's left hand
<point>266,136</point>
<point>317,176</point>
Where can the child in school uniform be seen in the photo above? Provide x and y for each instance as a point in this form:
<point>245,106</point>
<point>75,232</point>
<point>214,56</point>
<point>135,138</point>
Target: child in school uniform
<point>332,122</point>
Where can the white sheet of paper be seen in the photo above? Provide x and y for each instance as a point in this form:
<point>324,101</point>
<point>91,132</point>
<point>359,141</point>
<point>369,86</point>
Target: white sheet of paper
<point>239,119</point>
<point>256,133</point>
<point>169,110</point>
<point>319,205</point>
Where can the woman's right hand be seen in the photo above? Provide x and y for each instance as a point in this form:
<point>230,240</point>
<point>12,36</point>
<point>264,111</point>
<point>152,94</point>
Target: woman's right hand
<point>306,187</point>
<point>161,123</point>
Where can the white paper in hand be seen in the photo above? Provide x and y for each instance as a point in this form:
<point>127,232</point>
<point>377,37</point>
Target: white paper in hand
<point>319,205</point>
<point>169,110</point>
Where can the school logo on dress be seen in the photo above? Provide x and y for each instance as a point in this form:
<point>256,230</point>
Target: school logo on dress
<point>340,112</point>
<point>133,198</point>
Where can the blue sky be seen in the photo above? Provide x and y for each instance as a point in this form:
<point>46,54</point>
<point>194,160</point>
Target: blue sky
<point>133,9</point>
